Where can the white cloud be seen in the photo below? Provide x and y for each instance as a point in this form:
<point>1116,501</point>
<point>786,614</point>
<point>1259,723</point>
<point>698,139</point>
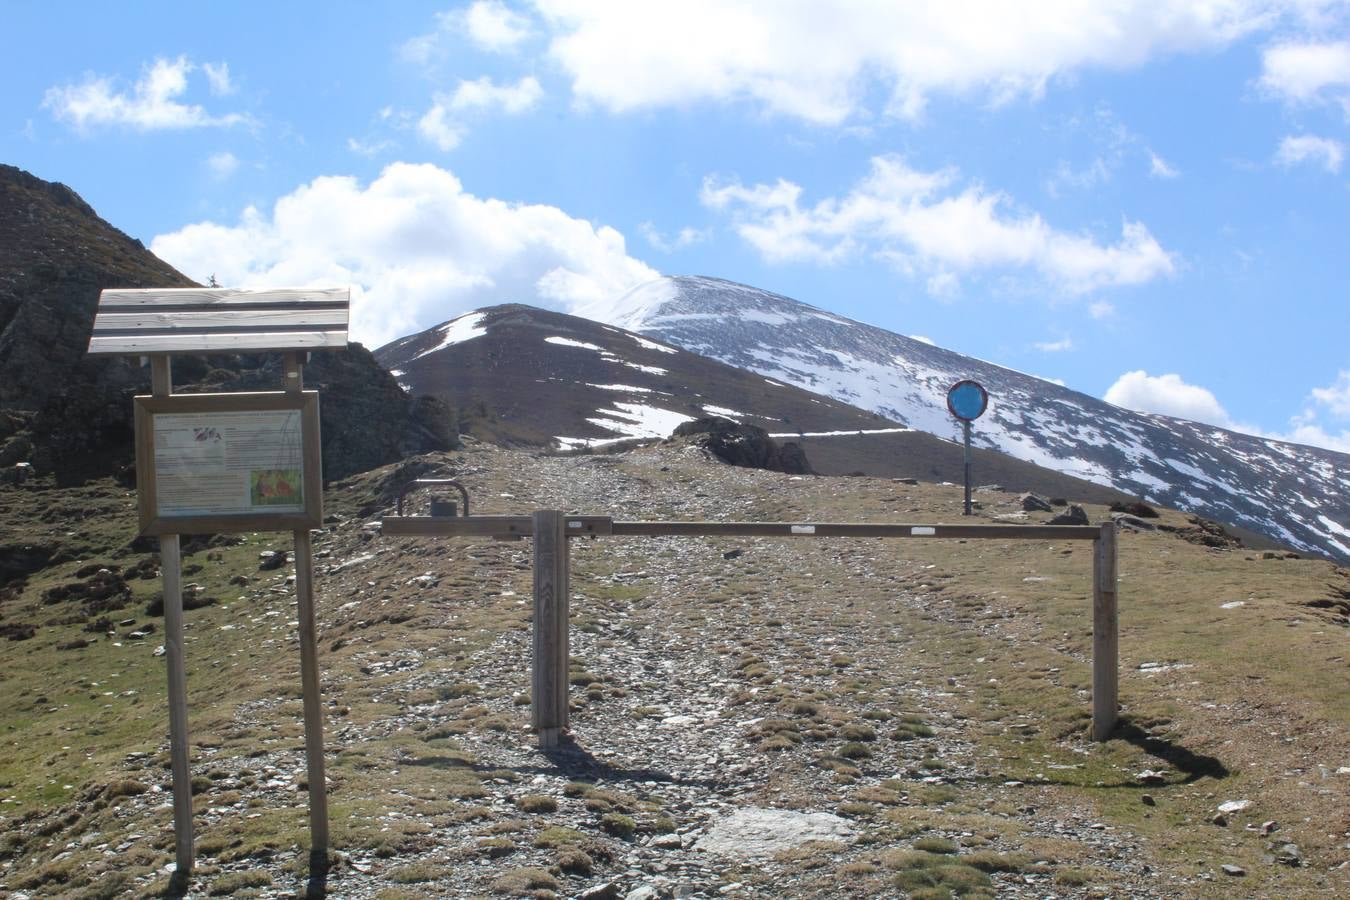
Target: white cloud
<point>483,94</point>
<point>416,248</point>
<point>1307,148</point>
<point>685,237</point>
<point>923,340</point>
<point>1321,424</point>
<point>222,164</point>
<point>443,124</point>
<point>492,26</point>
<point>1323,421</point>
<point>943,284</point>
<point>1335,397</point>
<point>1101,309</point>
<point>370,148</point>
<point>218,76</point>
<point>922,220</point>
<point>438,127</point>
<point>425,50</point>
<point>488,24</point>
<point>1308,72</point>
<point>1058,346</point>
<point>152,104</point>
<point>819,61</point>
<point>1065,176</point>
<point>1159,167</point>
<point>1167,395</point>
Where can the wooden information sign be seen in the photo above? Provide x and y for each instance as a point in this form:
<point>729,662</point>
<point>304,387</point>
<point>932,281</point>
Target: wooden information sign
<point>210,463</point>
<point>213,463</point>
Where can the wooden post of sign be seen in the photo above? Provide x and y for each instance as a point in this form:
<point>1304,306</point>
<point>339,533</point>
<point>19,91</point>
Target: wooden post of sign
<point>170,565</point>
<point>548,688</point>
<point>1105,634</point>
<point>309,667</point>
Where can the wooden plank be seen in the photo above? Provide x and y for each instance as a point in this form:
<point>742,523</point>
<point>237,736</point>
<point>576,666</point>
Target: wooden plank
<point>263,342</point>
<point>226,318</point>
<point>170,556</point>
<point>548,683</point>
<point>1105,635</point>
<point>859,530</point>
<point>460,526</point>
<point>581,526</point>
<point>151,297</point>
<point>467,526</point>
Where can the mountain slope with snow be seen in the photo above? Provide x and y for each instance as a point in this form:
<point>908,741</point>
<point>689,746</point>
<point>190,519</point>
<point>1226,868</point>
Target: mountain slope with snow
<point>521,375</point>
<point>1297,495</point>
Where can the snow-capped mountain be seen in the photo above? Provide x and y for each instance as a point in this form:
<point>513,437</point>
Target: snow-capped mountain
<point>518,375</point>
<point>521,375</point>
<point>1297,495</point>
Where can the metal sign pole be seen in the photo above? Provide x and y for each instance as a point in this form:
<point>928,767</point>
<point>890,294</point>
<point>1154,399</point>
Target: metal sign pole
<point>967,401</point>
<point>966,423</point>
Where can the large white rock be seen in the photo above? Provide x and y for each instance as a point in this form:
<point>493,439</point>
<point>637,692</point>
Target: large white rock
<point>764,832</point>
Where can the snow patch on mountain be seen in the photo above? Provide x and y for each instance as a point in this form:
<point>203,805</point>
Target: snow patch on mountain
<point>629,420</point>
<point>457,331</point>
<point>604,354</point>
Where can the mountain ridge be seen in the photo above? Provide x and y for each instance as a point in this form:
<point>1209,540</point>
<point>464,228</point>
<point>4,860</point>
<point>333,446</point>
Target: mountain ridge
<point>1293,494</point>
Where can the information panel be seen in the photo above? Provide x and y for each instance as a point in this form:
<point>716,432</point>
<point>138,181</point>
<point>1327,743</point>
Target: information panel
<point>228,462</point>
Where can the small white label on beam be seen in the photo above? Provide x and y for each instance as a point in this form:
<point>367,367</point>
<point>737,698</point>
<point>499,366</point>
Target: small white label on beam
<point>803,529</point>
<point>575,524</point>
<point>920,530</point>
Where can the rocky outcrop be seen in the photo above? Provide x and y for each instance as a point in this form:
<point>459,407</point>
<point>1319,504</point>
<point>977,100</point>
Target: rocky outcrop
<point>71,414</point>
<point>744,445</point>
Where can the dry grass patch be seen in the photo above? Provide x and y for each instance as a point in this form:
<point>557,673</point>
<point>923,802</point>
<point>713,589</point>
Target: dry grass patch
<point>238,881</point>
<point>521,881</point>
<point>536,803</point>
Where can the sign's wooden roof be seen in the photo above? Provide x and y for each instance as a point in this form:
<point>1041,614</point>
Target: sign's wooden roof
<point>219,320</point>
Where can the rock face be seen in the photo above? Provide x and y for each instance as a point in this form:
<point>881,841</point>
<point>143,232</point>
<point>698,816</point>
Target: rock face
<point>1074,515</point>
<point>744,445</point>
<point>66,412</point>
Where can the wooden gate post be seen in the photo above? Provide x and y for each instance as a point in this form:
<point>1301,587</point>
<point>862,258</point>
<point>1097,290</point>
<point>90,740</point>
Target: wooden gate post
<point>548,688</point>
<point>1105,634</point>
<point>309,666</point>
<point>170,566</point>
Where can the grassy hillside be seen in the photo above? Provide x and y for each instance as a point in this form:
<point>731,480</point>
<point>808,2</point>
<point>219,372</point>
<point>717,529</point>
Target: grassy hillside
<point>933,695</point>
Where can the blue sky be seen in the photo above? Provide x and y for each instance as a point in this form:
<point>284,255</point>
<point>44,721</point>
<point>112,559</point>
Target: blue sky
<point>1147,201</point>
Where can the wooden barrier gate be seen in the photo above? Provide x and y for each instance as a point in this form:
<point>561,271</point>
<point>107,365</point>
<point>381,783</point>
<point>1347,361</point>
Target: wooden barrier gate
<point>552,529</point>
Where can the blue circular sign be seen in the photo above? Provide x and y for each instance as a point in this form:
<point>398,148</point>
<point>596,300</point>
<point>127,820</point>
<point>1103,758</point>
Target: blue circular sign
<point>967,400</point>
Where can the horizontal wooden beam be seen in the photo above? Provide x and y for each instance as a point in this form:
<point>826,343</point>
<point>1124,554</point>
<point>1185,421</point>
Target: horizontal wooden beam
<point>251,342</point>
<point>857,530</point>
<point>522,526</point>
<point>457,526</point>
<point>219,298</point>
